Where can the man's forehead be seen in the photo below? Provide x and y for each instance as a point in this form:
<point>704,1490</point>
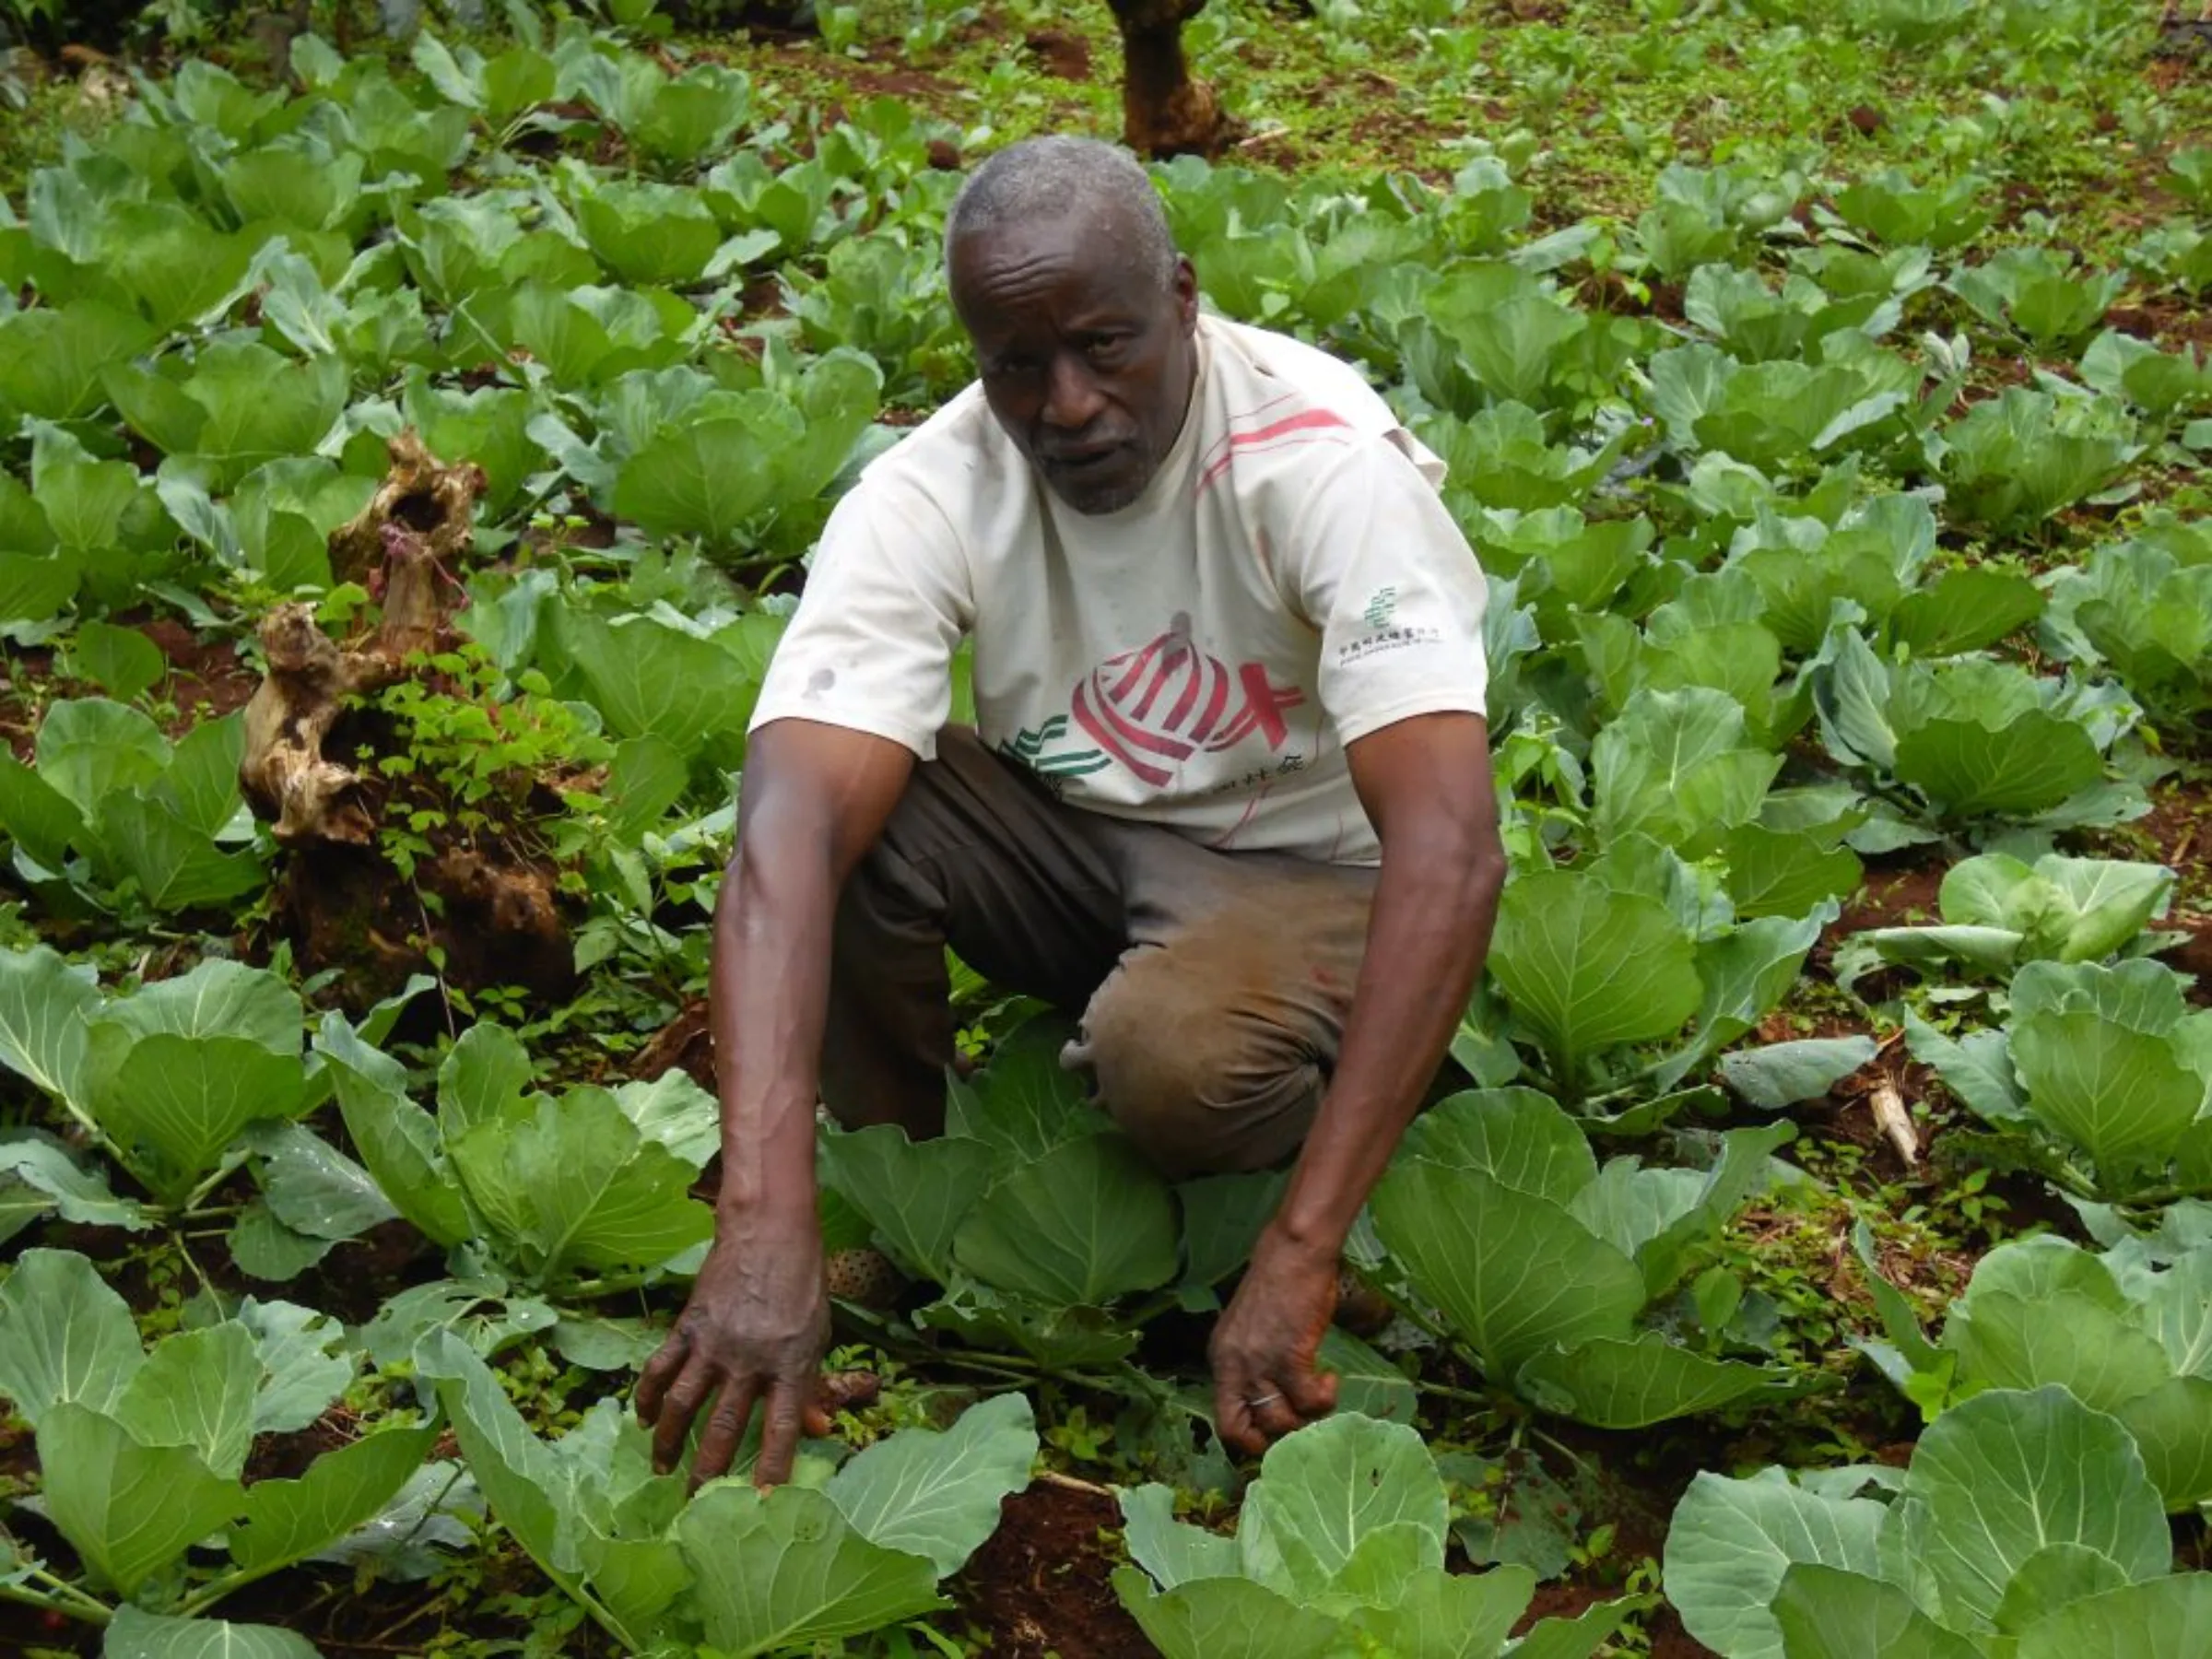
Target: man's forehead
<point>1084,253</point>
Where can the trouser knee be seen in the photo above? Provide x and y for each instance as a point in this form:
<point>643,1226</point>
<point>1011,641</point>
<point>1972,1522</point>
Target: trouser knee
<point>1202,1085</point>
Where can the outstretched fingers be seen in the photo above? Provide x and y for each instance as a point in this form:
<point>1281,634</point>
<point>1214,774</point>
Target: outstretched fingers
<point>788,1407</point>
<point>659,1373</point>
<point>672,1422</point>
<point>724,1432</point>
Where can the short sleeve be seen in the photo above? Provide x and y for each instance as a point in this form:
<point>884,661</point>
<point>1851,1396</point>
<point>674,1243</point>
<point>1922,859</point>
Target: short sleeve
<point>870,646</point>
<point>1375,563</point>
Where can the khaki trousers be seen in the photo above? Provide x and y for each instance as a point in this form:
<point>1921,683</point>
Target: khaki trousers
<point>1211,987</point>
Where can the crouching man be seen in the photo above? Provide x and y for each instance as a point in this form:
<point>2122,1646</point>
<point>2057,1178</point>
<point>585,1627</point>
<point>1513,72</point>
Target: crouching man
<point>1228,795</point>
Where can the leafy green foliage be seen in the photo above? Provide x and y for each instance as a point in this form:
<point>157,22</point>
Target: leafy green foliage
<point>1599,963</point>
<point>562,254</point>
<point>1033,1212</point>
<point>1971,738</point>
<point>1998,912</point>
<point>115,810</point>
<point>2019,1512</point>
<point>166,1079</point>
<point>1888,207</point>
<point>2012,461</point>
<point>735,459</point>
<point>1546,1265</point>
<point>830,1554</point>
<point>1340,1543</point>
<point>2041,295</point>
<point>2106,1063</point>
<point>142,1450</point>
<point>2125,1333</point>
<point>595,1181</point>
<point>2146,610</point>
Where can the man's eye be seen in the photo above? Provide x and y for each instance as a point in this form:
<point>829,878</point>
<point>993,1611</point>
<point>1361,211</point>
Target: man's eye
<point>1009,368</point>
<point>1106,349</point>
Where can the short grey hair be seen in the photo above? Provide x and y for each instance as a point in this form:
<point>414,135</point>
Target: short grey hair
<point>1047,178</point>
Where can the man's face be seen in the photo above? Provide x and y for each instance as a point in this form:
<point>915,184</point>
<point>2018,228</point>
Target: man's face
<point>1086,362</point>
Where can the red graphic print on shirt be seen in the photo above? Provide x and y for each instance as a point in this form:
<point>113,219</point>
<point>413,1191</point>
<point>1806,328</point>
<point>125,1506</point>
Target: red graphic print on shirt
<point>1154,707</point>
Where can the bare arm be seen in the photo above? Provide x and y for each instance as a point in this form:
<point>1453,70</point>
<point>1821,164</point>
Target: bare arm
<point>1426,786</point>
<point>814,799</point>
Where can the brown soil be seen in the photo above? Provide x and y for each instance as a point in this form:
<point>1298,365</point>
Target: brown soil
<point>1900,895</point>
<point>1662,1629</point>
<point>1642,1479</point>
<point>1041,1585</point>
<point>288,1456</point>
<point>206,675</point>
<point>2167,319</point>
<point>500,919</point>
<point>683,1044</point>
<point>353,1282</point>
<point>2195,956</point>
<point>932,93</point>
<point>18,670</point>
<point>2177,832</point>
<point>207,680</point>
<point>1060,54</point>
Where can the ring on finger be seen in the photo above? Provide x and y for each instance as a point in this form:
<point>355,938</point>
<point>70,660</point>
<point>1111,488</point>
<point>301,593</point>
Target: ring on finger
<point>1263,1400</point>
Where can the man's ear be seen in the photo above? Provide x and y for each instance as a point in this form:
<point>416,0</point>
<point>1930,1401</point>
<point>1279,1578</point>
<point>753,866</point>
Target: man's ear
<point>1186,293</point>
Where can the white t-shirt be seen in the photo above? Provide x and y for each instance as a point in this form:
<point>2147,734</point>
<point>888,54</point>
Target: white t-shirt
<point>1287,583</point>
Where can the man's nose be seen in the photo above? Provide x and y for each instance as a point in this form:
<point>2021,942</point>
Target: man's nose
<point>1072,399</point>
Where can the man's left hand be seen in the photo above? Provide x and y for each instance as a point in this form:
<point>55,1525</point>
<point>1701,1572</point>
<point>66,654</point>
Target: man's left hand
<point>1266,1346</point>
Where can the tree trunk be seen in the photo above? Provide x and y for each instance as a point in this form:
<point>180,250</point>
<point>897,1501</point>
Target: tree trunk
<point>1164,112</point>
<point>479,912</point>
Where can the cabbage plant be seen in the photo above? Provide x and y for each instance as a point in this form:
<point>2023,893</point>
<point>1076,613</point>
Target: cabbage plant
<point>1998,912</point>
<point>2014,460</point>
<point>838,1552</point>
<point>1340,1549</point>
<point>2144,607</point>
<point>2127,1332</point>
<point>166,1079</point>
<point>1786,413</point>
<point>83,525</point>
<point>567,1195</point>
<point>1602,967</point>
<point>1890,208</point>
<point>1552,1271</point>
<point>114,810</point>
<point>699,460</point>
<point>141,1453</point>
<point>1757,324</point>
<point>2025,1527</point>
<point>1875,559</point>
<point>2103,1078</point>
<point>1974,738</point>
<point>2163,384</point>
<point>1033,1212</point>
<point>2040,294</point>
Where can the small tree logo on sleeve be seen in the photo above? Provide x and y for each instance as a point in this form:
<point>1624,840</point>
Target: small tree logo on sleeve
<point>1383,632</point>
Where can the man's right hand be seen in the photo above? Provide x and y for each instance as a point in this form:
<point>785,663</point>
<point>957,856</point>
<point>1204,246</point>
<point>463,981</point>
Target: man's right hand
<point>753,1334</point>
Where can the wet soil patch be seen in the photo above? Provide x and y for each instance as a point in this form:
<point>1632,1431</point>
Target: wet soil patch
<point>2167,320</point>
<point>1043,1585</point>
<point>1059,54</point>
<point>206,675</point>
